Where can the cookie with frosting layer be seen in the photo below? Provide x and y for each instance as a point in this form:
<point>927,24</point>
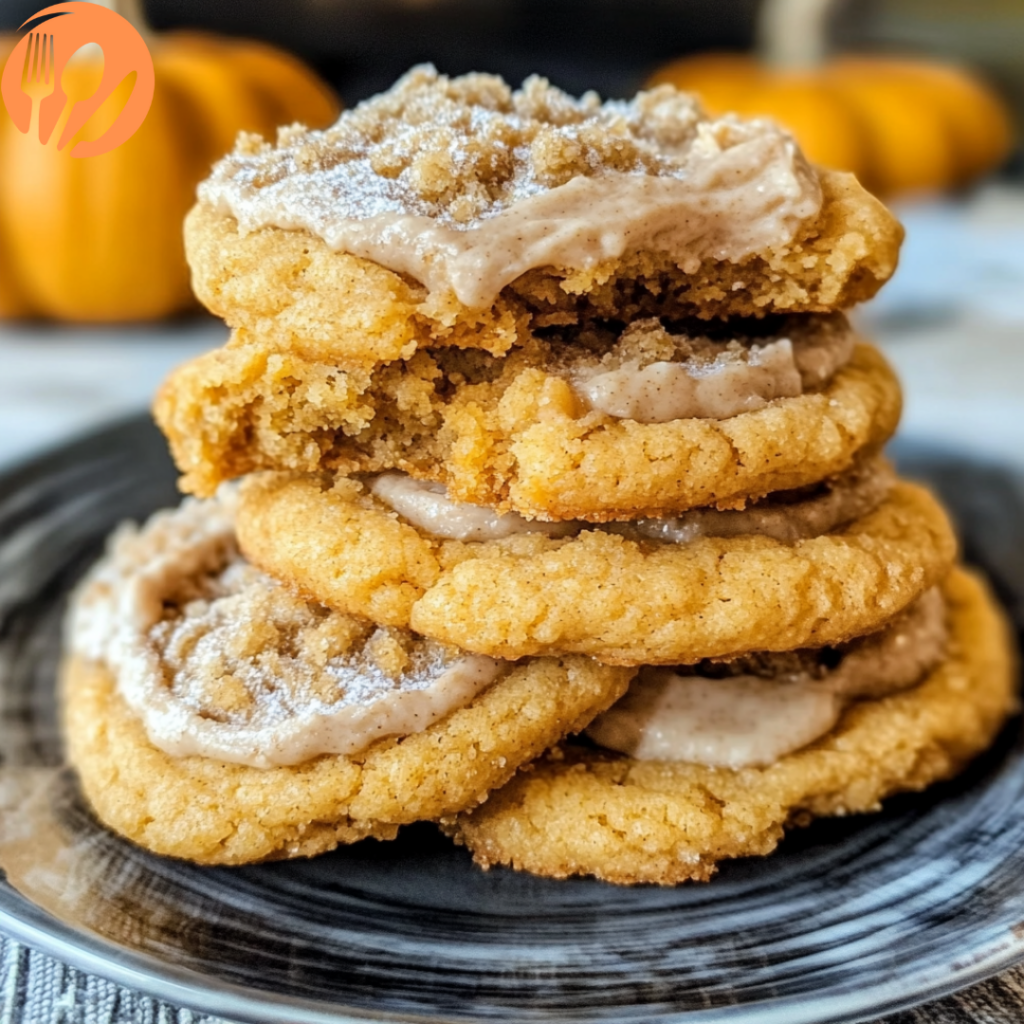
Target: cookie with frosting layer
<point>425,217</point>
<point>596,425</point>
<point>214,715</point>
<point>799,570</point>
<point>586,811</point>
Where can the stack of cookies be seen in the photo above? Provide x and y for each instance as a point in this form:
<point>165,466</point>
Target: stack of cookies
<point>564,519</point>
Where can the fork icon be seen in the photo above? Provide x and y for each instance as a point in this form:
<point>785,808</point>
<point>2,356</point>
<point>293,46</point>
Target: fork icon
<point>38,79</point>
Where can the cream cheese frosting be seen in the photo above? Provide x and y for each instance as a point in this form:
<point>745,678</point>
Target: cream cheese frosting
<point>666,391</point>
<point>751,720</point>
<point>813,513</point>
<point>220,661</point>
<point>786,517</point>
<point>428,506</point>
<point>739,722</point>
<point>716,380</point>
<point>464,184</point>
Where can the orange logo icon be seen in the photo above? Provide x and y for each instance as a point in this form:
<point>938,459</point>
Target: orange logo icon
<point>33,88</point>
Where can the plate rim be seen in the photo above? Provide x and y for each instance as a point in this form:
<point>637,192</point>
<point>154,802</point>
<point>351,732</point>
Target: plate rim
<point>182,986</point>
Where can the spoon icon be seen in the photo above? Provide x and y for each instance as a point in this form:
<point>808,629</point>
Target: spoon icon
<point>79,80</point>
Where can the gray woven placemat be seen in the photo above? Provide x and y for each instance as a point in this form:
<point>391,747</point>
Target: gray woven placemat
<point>36,989</point>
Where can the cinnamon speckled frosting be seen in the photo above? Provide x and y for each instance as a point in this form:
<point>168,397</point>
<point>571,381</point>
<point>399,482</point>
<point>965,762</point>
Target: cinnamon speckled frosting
<point>466,184</point>
<point>219,660</point>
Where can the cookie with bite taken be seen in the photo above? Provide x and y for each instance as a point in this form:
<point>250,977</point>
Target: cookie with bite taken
<point>595,425</point>
<point>460,211</point>
<point>564,519</point>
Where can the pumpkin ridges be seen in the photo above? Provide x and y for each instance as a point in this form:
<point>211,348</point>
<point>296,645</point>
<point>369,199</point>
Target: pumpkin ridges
<point>229,105</point>
<point>13,304</point>
<point>830,131</point>
<point>908,146</point>
<point>908,124</point>
<point>285,88</point>
<point>720,79</point>
<point>252,87</point>
<point>89,242</point>
<point>977,123</point>
<point>108,245</point>
<point>165,280</point>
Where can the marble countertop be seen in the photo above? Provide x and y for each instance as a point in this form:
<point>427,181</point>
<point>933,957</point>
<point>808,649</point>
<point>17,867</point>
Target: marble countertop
<point>952,321</point>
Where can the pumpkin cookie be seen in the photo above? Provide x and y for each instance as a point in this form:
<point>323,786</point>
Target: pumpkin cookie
<point>213,715</point>
<point>423,218</point>
<point>593,812</point>
<point>661,592</point>
<point>556,429</point>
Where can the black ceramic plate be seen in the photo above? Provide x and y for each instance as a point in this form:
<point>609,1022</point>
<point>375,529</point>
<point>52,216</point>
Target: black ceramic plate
<point>848,919</point>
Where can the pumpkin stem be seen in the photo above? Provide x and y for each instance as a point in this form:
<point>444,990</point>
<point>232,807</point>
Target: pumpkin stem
<point>132,11</point>
<point>794,33</point>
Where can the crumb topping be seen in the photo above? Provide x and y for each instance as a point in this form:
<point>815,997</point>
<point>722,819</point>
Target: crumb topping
<point>247,651</point>
<point>462,149</point>
<point>220,660</point>
<point>457,182</point>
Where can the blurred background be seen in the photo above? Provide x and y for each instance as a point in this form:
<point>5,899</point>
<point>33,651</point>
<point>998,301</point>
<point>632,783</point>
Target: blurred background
<point>923,99</point>
<point>613,46</point>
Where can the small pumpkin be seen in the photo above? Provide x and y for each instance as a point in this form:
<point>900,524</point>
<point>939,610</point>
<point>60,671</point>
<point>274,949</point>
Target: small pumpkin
<point>99,238</point>
<point>900,124</point>
<point>12,301</point>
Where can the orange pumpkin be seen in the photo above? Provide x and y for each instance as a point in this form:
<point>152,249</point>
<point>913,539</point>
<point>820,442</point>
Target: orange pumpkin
<point>12,300</point>
<point>900,124</point>
<point>99,238</point>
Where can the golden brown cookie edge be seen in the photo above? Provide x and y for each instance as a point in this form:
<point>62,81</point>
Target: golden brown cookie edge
<point>598,594</point>
<point>288,283</point>
<point>210,812</point>
<point>901,743</point>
